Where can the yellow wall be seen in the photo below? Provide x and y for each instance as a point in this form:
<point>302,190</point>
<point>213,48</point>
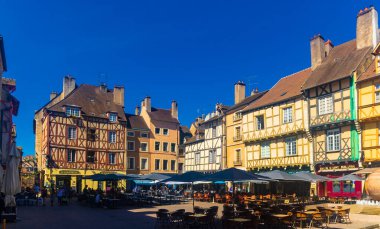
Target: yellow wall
<point>233,143</point>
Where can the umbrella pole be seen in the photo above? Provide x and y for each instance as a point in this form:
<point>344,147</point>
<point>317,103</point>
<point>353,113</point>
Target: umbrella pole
<point>233,195</point>
<point>192,193</point>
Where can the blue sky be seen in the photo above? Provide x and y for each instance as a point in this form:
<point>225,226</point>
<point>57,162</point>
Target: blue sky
<point>190,51</point>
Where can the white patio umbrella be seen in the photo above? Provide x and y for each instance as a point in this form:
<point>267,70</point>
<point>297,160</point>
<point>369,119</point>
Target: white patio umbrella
<point>11,184</point>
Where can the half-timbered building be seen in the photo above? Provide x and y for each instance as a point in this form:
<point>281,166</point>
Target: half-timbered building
<point>205,153</point>
<point>368,88</point>
<point>81,131</point>
<point>331,94</point>
<point>275,128</point>
<point>235,147</point>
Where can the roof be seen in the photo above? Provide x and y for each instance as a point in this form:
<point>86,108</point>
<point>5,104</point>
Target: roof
<point>341,62</point>
<point>136,122</point>
<point>245,102</point>
<point>215,115</point>
<point>369,73</point>
<point>286,88</point>
<point>92,101</point>
<point>194,139</point>
<point>159,114</point>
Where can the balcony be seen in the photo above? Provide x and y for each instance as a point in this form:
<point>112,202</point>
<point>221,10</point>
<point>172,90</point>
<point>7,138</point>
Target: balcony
<point>238,163</point>
<point>337,117</point>
<point>238,138</point>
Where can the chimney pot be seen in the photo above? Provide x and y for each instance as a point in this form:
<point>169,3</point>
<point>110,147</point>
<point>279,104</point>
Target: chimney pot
<point>147,104</point>
<point>137,110</point>
<point>317,50</point>
<point>118,95</point>
<point>174,109</point>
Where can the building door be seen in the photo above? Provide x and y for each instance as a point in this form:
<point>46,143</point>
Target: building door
<point>63,181</point>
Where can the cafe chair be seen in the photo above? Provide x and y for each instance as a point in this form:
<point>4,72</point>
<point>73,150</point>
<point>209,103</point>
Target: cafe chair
<point>319,219</point>
<point>344,216</point>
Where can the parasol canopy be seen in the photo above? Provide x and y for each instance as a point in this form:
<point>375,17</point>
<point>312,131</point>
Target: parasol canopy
<point>282,176</point>
<point>11,184</point>
<point>311,177</point>
<point>349,177</point>
<point>236,175</point>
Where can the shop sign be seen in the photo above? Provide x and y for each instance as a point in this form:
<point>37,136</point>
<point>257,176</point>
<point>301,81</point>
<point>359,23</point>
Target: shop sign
<point>335,168</point>
<point>69,172</point>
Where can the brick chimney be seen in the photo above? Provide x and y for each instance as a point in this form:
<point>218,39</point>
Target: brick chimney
<point>118,95</point>
<point>367,28</point>
<point>317,49</point>
<point>254,91</point>
<point>328,47</point>
<point>137,110</point>
<point>68,85</point>
<point>53,94</point>
<point>147,104</point>
<point>239,92</point>
<point>174,109</point>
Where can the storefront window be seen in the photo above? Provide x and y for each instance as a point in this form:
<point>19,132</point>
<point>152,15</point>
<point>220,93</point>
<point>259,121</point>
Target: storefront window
<point>349,186</point>
<point>336,186</point>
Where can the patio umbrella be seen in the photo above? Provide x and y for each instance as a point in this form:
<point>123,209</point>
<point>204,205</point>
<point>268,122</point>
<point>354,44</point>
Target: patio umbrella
<point>189,178</point>
<point>282,176</point>
<point>310,176</point>
<point>154,176</point>
<point>11,185</point>
<point>349,177</point>
<point>236,175</point>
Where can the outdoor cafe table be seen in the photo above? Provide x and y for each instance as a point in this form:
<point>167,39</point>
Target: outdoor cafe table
<point>280,216</point>
<point>240,221</point>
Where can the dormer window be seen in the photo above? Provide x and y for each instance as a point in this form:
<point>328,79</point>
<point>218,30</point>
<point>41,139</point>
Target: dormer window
<point>112,117</point>
<point>73,111</point>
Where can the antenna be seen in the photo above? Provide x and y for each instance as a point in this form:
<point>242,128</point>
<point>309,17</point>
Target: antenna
<point>251,82</point>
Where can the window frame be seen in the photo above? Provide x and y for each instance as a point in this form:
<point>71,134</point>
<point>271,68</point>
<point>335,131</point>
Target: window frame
<point>132,133</point>
<point>291,147</point>
<point>336,141</point>
<point>134,163</point>
<point>167,146</point>
<point>237,155</point>
<point>212,156</point>
<point>91,136</point>
<point>289,114</point>
<point>75,132</point>
<point>70,154</point>
<point>262,145</point>
<point>260,127</point>
<point>147,147</point>
<point>377,92</point>
<point>155,164</point>
<point>171,147</point>
<point>87,152</point>
<point>213,131</point>
<point>159,146</point>
<point>167,131</point>
<point>326,111</point>
<point>141,163</point>
<point>159,130</point>
<point>113,157</point>
<point>142,134</point>
<point>110,138</point>
<point>167,165</point>
<point>72,111</point>
<point>197,158</point>
<point>112,117</point>
<point>134,145</point>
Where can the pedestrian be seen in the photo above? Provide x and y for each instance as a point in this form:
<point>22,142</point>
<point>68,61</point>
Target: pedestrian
<point>43,196</point>
<point>52,195</point>
<point>60,194</point>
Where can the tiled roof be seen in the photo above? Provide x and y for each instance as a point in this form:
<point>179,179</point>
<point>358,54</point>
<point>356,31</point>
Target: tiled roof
<point>369,73</point>
<point>286,88</point>
<point>341,62</point>
<point>162,115</point>
<point>92,101</point>
<point>136,122</point>
<point>245,102</point>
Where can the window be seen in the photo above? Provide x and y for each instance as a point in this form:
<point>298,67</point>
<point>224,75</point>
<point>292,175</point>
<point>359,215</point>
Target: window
<point>71,155</point>
<point>260,122</point>
<point>214,131</point>
<point>237,132</point>
<point>172,165</point>
<point>325,105</point>
<point>265,150</point>
<point>112,137</point>
<point>131,163</point>
<point>165,146</point>
<point>336,186</point>
<point>238,155</point>
<point>111,158</point>
<point>165,131</point>
<point>172,147</point>
<point>90,157</point>
<point>112,117</point>
<point>287,115</point>
<point>144,163</point>
<point>144,134</point>
<point>290,146</point>
<point>144,147</point>
<point>348,186</point>
<point>131,145</point>
<point>212,157</point>
<point>72,111</point>
<point>165,165</point>
<point>157,130</point>
<point>157,164</point>
<point>180,166</point>
<point>333,140</point>
<point>131,134</point>
<point>197,158</point>
<point>157,146</point>
<point>91,134</point>
<point>377,93</point>
<point>72,132</point>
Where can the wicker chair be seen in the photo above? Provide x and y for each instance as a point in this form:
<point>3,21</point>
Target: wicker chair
<point>218,198</point>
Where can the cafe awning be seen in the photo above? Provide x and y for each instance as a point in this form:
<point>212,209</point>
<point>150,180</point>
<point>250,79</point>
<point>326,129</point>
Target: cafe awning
<point>349,177</point>
<point>310,176</point>
<point>281,176</point>
<point>367,170</point>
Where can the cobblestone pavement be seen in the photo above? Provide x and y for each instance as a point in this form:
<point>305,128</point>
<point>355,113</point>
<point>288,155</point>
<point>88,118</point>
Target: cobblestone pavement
<point>78,216</point>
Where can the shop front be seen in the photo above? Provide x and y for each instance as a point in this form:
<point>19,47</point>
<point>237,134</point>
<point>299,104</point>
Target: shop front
<point>345,189</point>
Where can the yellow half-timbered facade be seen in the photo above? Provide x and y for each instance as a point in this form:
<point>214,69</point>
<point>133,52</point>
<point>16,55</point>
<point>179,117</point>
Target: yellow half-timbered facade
<point>275,127</point>
<point>368,88</point>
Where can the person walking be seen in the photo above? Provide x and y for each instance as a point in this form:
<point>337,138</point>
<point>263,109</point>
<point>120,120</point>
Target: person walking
<point>52,195</point>
<point>43,196</point>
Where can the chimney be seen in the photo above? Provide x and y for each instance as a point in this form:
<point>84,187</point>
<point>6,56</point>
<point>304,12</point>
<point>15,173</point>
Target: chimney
<point>367,34</point>
<point>68,85</point>
<point>254,91</point>
<point>239,92</point>
<point>174,109</point>
<point>118,95</point>
<point>137,110</point>
<point>328,47</point>
<point>147,104</point>
<point>103,87</point>
<point>317,48</point>
<point>53,94</point>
